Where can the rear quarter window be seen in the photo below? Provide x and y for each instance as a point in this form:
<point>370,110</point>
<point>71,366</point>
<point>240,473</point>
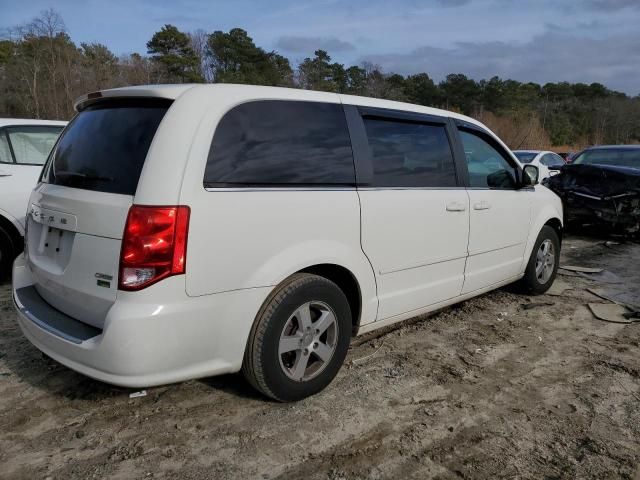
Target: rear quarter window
<point>281,143</point>
<point>5,150</point>
<point>105,146</point>
<point>31,144</point>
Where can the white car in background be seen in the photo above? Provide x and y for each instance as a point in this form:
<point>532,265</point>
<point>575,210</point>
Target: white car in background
<point>548,163</point>
<point>24,147</point>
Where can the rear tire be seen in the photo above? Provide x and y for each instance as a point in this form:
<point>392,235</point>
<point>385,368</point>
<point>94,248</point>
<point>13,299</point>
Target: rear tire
<point>543,264</point>
<point>299,340</point>
<point>7,254</point>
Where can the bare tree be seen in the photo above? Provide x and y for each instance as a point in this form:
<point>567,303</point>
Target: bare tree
<point>198,40</point>
<point>45,62</point>
<point>134,69</point>
<point>518,129</point>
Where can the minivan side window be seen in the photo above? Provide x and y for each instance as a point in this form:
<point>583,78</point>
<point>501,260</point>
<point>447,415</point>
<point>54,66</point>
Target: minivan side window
<point>408,154</point>
<point>32,144</point>
<point>487,163</point>
<point>281,143</point>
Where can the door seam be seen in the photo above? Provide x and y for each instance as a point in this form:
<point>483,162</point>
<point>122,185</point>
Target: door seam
<point>466,259</point>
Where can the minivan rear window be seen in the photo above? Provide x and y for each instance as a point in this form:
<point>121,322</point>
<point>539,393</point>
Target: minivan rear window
<point>270,143</point>
<point>104,147</point>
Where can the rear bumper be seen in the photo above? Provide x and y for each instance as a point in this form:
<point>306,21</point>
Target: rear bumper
<point>153,337</point>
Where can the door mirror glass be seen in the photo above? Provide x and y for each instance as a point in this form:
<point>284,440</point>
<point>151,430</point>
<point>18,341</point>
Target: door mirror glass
<point>529,175</point>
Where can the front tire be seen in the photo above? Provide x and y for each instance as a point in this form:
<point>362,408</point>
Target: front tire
<point>543,264</point>
<point>299,340</point>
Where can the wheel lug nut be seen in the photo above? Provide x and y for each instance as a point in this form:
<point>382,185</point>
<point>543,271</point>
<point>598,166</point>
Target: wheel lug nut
<point>315,345</point>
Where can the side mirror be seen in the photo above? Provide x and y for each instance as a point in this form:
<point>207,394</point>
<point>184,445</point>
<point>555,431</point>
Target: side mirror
<point>530,175</point>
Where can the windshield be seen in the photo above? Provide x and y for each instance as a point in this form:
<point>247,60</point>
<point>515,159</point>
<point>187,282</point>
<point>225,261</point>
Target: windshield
<point>525,157</point>
<point>105,146</point>
<point>621,157</point>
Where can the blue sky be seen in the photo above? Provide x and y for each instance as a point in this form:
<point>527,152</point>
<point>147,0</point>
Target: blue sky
<point>543,40</point>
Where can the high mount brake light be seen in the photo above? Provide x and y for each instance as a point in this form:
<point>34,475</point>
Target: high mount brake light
<point>154,245</point>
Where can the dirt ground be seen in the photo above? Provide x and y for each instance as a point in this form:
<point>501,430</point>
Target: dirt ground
<point>486,389</point>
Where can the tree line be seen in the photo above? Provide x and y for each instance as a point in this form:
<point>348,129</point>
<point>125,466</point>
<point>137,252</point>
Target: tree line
<point>42,71</point>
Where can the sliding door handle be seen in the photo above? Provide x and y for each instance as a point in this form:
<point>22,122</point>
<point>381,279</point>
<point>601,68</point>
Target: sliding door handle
<point>456,207</point>
<point>483,205</point>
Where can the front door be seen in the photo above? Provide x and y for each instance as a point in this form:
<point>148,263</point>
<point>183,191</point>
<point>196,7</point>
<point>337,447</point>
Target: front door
<point>499,212</point>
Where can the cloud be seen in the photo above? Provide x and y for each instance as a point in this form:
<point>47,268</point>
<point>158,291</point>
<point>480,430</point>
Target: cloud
<point>549,57</point>
<point>300,44</point>
<point>453,3</point>
<point>611,5</point>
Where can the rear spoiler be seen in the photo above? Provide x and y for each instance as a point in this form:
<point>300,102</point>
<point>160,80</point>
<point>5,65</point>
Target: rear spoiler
<point>169,92</point>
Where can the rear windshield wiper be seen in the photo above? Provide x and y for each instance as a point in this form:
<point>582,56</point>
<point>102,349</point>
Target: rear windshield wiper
<point>82,176</point>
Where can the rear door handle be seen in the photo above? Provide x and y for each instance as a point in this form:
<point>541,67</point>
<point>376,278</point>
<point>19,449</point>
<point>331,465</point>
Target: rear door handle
<point>483,205</point>
<point>456,207</point>
<point>5,174</point>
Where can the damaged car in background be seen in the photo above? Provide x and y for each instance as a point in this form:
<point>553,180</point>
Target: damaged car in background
<point>601,187</point>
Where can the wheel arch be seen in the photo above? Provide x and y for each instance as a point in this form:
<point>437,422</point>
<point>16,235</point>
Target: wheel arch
<point>549,216</point>
<point>343,277</point>
<point>556,224</point>
<point>347,282</point>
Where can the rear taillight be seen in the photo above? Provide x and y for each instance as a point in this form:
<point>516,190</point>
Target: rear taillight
<point>154,245</point>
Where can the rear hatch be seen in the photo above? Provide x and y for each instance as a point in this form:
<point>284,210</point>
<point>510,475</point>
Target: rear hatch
<point>77,214</point>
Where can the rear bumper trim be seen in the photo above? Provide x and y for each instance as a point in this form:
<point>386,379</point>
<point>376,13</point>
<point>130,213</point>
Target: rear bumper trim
<point>32,306</point>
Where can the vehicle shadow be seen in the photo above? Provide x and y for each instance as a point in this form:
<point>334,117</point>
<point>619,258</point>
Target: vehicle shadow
<point>234,384</point>
<point>24,362</point>
<point>28,365</point>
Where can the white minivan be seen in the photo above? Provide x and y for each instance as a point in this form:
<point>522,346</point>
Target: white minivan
<point>183,231</point>
<point>24,147</point>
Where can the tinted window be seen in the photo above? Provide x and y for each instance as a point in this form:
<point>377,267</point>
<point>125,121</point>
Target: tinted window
<point>410,154</point>
<point>31,145</point>
<point>276,142</point>
<point>610,156</point>
<point>525,157</point>
<point>105,146</point>
<point>488,167</point>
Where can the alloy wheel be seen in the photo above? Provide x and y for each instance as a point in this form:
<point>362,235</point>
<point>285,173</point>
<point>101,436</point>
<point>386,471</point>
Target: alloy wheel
<point>308,341</point>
